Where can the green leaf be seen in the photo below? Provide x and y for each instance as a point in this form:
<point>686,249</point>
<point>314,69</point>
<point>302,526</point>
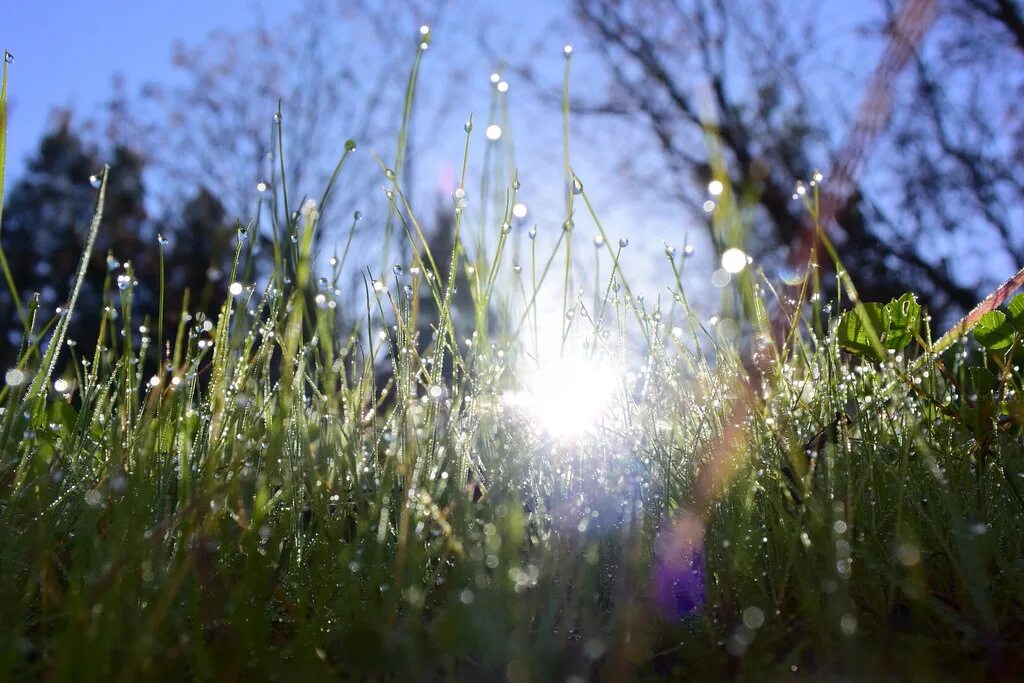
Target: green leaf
<point>1016,313</point>
<point>856,326</point>
<point>993,332</point>
<point>904,321</point>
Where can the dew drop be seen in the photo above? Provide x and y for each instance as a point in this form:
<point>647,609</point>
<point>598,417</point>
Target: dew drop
<point>124,282</point>
<point>721,278</point>
<point>734,260</point>
<point>94,180</point>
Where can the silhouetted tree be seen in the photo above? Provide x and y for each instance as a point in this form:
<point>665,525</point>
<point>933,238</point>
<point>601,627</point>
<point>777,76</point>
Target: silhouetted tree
<point>198,257</point>
<point>45,224</point>
<point>738,69</point>
<point>45,227</point>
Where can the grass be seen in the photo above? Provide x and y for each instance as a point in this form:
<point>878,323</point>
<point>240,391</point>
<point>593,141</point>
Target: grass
<point>258,505</point>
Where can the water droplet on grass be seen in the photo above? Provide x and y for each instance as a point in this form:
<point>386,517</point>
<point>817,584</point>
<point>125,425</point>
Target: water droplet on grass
<point>734,260</point>
<point>721,278</point>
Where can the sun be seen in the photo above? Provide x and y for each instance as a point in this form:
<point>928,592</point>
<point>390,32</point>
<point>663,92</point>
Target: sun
<point>568,396</point>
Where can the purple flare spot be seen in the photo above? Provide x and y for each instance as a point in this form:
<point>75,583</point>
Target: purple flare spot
<point>678,584</point>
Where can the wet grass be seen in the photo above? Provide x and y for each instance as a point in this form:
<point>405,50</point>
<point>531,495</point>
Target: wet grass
<point>264,501</point>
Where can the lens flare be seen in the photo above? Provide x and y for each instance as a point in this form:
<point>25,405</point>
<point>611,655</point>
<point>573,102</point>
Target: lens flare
<point>568,396</point>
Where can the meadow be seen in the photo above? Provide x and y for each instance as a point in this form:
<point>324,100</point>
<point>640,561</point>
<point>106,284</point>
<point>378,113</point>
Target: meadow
<point>804,487</point>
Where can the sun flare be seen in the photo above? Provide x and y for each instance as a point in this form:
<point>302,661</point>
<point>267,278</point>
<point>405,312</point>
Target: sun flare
<point>568,396</point>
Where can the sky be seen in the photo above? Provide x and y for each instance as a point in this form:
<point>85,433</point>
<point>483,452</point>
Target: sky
<point>67,52</point>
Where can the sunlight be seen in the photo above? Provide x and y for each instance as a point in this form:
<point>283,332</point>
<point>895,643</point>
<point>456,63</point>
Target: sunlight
<point>567,397</point>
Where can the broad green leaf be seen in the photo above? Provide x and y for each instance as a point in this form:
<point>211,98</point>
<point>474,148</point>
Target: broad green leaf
<point>1016,313</point>
<point>993,332</point>
<point>856,326</point>
<point>904,321</point>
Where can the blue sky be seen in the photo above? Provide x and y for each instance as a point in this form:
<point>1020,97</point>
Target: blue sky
<point>66,52</point>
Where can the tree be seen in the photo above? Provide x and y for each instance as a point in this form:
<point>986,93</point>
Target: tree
<point>200,247</point>
<point>954,156</point>
<point>337,70</point>
<point>45,224</point>
<point>740,68</point>
<point>45,220</point>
